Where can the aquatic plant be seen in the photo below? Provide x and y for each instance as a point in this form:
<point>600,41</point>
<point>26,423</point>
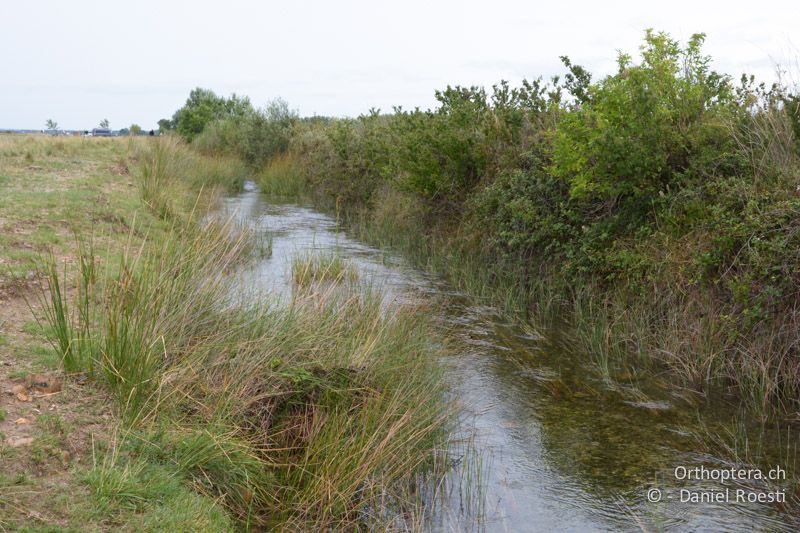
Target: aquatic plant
<point>321,267</point>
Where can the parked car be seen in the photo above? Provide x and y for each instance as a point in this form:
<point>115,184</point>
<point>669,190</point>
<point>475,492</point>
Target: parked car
<point>101,132</point>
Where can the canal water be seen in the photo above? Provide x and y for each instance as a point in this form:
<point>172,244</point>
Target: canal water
<point>552,446</point>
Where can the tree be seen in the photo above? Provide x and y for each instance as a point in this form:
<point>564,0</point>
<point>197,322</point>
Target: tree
<point>135,129</point>
<point>104,124</point>
<point>204,107</point>
<point>165,124</point>
<point>51,124</point>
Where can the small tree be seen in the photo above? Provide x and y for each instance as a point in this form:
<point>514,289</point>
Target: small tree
<point>204,107</point>
<point>266,132</point>
<point>104,124</point>
<point>51,124</point>
<point>135,129</point>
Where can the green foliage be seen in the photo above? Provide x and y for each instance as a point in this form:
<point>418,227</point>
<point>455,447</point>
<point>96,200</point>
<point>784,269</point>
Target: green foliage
<point>450,146</point>
<point>637,132</point>
<point>663,178</point>
<point>443,155</point>
<point>220,137</point>
<point>204,107</point>
<point>165,125</point>
<point>525,214</point>
<point>255,137</point>
<point>266,133</point>
<point>792,105</point>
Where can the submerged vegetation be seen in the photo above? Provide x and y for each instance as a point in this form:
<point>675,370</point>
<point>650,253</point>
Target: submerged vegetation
<point>653,210</point>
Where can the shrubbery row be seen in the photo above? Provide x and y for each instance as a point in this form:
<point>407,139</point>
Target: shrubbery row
<point>665,178</point>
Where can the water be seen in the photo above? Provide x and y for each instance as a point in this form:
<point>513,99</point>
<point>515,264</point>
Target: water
<point>552,445</point>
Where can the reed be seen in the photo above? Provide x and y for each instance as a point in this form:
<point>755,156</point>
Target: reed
<point>312,267</point>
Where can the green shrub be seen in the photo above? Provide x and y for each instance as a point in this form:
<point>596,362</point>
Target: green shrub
<point>220,137</point>
<point>639,130</point>
<point>204,107</point>
<point>265,133</point>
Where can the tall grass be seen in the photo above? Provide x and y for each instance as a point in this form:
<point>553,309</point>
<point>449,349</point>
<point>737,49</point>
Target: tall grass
<point>170,171</point>
<point>298,417</point>
<point>281,176</point>
<point>72,328</point>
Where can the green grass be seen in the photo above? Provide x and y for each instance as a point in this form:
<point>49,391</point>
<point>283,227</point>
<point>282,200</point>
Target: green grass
<point>136,494</point>
<point>345,394</point>
<point>170,170</point>
<point>90,193</point>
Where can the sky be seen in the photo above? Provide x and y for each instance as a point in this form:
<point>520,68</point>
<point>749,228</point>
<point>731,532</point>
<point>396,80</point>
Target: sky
<point>79,61</point>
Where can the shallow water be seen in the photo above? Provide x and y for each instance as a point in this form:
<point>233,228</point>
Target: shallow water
<point>553,445</point>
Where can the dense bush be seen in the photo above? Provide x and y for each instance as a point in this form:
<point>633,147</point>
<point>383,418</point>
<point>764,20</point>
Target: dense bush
<point>595,177</point>
<point>204,107</point>
<point>255,136</point>
<point>266,132</point>
<point>664,186</point>
<point>638,131</point>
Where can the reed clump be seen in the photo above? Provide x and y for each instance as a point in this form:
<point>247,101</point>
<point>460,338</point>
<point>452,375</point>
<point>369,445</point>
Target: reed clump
<point>329,267</point>
<point>170,174</point>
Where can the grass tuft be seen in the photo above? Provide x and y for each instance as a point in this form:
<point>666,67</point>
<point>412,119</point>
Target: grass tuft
<point>313,267</point>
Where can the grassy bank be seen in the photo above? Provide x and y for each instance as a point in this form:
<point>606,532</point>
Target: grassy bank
<point>182,409</point>
<point>651,212</point>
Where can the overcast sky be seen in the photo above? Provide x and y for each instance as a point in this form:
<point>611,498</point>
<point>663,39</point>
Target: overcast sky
<point>136,61</point>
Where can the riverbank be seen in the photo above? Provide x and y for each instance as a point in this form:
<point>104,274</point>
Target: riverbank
<point>550,445</point>
<point>656,225</point>
<point>184,405</point>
